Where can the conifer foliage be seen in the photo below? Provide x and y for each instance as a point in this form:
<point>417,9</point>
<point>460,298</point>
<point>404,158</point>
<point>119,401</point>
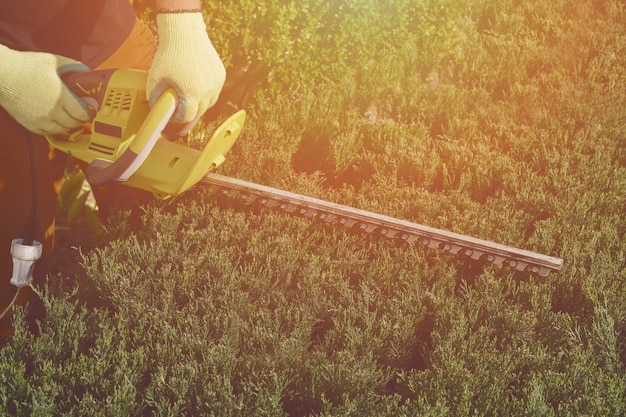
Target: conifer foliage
<point>500,119</point>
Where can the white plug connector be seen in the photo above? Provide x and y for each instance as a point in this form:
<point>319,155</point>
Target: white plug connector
<point>24,258</point>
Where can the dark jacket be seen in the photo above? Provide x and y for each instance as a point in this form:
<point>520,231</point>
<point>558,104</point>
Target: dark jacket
<point>86,30</point>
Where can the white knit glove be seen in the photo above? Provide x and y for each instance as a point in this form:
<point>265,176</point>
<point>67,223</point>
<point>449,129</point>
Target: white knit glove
<point>187,61</point>
<point>32,92</point>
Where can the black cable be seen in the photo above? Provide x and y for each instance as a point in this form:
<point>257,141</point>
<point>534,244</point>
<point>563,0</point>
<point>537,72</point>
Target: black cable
<point>30,231</point>
<point>8,308</point>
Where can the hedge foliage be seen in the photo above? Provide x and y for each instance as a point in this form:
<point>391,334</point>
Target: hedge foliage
<point>500,119</point>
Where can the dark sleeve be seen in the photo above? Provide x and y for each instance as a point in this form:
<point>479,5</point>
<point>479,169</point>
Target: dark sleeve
<point>85,30</point>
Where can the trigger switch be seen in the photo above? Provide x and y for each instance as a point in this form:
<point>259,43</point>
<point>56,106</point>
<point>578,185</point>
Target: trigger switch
<point>92,105</point>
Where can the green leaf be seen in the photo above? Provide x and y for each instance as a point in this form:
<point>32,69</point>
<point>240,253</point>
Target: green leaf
<point>77,205</point>
<point>72,186</point>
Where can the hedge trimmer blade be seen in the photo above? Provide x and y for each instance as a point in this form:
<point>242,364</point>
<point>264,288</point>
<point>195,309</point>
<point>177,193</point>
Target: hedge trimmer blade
<point>413,233</point>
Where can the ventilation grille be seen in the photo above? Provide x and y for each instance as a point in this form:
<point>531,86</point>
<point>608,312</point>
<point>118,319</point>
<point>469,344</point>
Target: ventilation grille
<point>119,100</point>
<point>101,148</point>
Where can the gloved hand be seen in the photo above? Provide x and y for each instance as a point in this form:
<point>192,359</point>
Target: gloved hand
<point>187,61</point>
<point>32,92</point>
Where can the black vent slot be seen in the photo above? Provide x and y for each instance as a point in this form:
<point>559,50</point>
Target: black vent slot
<point>107,129</point>
<point>119,100</point>
<point>107,150</point>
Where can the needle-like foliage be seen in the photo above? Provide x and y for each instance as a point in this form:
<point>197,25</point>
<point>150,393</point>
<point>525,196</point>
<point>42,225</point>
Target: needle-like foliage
<point>500,119</point>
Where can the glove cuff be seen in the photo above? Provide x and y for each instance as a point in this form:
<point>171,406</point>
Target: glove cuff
<point>176,11</point>
<point>11,61</point>
<point>7,57</point>
<point>171,26</point>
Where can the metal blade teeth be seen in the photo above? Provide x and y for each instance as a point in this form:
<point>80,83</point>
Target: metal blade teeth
<point>388,227</point>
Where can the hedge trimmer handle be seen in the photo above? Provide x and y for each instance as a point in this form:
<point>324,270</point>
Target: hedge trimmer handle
<point>90,87</point>
<point>101,172</point>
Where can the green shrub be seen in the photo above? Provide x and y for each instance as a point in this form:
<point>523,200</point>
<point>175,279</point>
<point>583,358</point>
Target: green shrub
<point>499,119</point>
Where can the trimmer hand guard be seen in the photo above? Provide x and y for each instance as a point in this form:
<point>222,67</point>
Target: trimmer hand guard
<point>172,168</point>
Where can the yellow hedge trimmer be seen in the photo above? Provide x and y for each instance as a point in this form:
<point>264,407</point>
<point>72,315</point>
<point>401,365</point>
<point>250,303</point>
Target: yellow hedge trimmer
<point>132,143</point>
<point>127,142</point>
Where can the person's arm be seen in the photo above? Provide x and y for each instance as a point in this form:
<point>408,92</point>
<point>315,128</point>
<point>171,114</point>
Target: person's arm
<point>185,60</point>
<point>177,5</point>
<point>32,92</point>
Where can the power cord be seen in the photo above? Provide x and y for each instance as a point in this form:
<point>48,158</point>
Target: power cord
<point>30,234</point>
<point>29,239</point>
<point>10,306</point>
